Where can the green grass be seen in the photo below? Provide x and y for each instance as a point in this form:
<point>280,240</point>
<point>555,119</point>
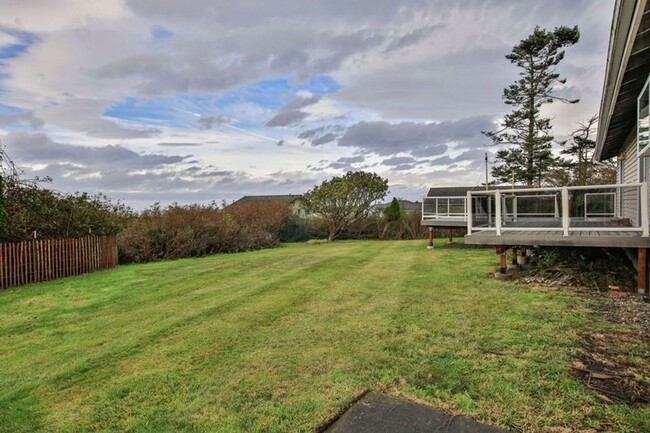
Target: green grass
<point>282,339</point>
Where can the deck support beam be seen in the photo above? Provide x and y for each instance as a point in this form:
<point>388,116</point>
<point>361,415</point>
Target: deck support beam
<point>503,265</point>
<point>430,246</point>
<point>450,235</point>
<point>642,281</point>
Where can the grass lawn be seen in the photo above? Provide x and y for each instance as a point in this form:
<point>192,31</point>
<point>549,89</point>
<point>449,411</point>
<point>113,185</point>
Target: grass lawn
<point>282,339</point>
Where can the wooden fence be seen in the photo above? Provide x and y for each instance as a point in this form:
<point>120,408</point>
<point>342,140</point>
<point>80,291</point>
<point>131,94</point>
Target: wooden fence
<point>49,259</point>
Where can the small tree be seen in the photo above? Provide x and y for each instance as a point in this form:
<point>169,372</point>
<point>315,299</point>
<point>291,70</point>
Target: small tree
<point>582,169</point>
<point>391,214</point>
<point>344,200</point>
<point>530,158</point>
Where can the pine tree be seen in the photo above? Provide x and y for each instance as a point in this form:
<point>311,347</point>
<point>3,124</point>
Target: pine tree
<point>392,212</point>
<point>582,170</point>
<point>530,157</point>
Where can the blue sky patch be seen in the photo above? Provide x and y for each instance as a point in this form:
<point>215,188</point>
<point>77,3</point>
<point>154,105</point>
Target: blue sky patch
<point>11,51</point>
<point>159,32</point>
<point>24,40</point>
<point>181,111</point>
<point>9,108</point>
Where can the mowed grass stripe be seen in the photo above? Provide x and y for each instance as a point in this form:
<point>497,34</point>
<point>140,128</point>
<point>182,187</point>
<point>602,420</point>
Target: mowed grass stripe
<point>280,340</point>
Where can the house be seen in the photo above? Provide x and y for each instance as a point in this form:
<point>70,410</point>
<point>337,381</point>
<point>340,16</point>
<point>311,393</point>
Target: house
<point>296,202</point>
<point>581,216</point>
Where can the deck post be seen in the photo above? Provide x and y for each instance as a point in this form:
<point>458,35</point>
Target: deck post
<point>645,223</point>
<point>565,210</point>
<point>450,235</point>
<point>503,264</point>
<point>497,204</point>
<point>642,281</point>
<point>468,213</point>
<point>514,207</point>
<point>430,246</point>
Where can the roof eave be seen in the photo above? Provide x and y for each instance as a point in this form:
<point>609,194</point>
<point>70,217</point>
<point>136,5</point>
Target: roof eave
<point>617,58</point>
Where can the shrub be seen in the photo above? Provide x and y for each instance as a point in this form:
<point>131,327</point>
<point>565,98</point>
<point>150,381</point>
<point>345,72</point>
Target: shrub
<point>30,208</point>
<point>197,230</point>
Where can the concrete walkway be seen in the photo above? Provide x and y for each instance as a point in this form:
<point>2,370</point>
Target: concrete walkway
<point>378,413</point>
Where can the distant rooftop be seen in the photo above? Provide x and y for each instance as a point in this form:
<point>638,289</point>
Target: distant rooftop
<point>286,198</point>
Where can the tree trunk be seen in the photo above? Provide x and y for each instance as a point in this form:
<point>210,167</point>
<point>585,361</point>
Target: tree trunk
<point>332,234</point>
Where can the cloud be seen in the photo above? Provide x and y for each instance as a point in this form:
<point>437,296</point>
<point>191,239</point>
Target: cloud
<point>178,144</point>
<point>27,148</point>
<point>291,113</point>
<point>87,116</point>
<point>302,102</point>
<point>208,122</point>
<point>345,163</point>
<point>397,160</point>
<point>327,138</point>
<point>419,139</point>
<point>384,78</point>
<point>142,179</point>
<point>286,118</point>
<point>412,37</point>
<point>26,117</point>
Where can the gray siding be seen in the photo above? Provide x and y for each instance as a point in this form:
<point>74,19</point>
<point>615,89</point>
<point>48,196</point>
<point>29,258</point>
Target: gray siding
<point>630,175</point>
<point>630,196</point>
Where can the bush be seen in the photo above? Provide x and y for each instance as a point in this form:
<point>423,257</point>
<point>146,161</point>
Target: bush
<point>30,208</point>
<point>197,230</point>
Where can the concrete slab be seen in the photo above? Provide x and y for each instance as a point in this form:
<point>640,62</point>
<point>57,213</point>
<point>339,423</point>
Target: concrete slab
<point>379,413</point>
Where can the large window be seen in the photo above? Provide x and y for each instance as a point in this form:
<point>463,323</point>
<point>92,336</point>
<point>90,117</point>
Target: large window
<point>643,118</point>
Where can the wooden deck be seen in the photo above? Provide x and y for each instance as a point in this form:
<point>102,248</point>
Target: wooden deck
<point>443,222</point>
<point>538,233</point>
<point>591,238</point>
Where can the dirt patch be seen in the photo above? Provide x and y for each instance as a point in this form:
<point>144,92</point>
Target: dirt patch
<point>627,309</point>
<point>615,364</point>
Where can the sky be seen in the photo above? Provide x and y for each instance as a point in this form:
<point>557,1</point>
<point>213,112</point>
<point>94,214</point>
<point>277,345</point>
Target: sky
<point>173,101</point>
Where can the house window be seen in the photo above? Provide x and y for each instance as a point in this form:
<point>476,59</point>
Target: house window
<point>643,121</point>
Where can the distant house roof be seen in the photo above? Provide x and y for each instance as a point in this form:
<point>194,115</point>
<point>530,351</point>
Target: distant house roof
<point>461,191</point>
<point>288,198</point>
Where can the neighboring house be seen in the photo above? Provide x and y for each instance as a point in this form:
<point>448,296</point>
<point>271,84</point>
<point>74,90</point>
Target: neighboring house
<point>296,202</point>
<point>581,216</point>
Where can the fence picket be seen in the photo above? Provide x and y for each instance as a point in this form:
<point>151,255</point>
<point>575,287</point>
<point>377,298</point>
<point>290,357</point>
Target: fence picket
<point>48,259</point>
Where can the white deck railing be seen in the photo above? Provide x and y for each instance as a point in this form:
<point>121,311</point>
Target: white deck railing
<point>566,209</point>
<point>434,208</point>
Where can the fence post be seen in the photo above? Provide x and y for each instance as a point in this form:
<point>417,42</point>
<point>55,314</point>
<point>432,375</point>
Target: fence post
<point>645,219</point>
<point>565,210</point>
<point>468,212</point>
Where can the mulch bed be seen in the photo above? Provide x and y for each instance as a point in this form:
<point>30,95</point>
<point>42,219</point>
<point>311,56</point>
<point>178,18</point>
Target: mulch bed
<point>604,364</point>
